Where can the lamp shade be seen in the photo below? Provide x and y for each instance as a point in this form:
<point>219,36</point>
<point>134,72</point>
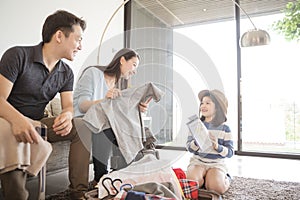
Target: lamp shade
<point>255,37</point>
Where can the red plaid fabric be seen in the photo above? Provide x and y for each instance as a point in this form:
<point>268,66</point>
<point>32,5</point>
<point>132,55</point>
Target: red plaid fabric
<point>189,188</point>
<point>179,173</point>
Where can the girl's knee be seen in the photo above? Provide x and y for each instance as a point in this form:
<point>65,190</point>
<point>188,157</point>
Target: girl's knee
<point>197,178</point>
<point>217,187</point>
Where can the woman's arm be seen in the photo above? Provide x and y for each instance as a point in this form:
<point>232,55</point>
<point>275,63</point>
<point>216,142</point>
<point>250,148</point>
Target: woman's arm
<point>89,89</point>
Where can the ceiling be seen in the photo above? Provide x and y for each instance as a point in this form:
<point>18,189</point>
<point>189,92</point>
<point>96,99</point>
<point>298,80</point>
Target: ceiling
<point>186,12</point>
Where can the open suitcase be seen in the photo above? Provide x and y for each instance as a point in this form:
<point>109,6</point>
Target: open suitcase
<point>42,174</point>
<point>203,195</point>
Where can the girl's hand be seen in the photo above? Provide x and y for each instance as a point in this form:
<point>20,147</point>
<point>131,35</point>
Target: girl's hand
<point>194,146</point>
<point>214,141</point>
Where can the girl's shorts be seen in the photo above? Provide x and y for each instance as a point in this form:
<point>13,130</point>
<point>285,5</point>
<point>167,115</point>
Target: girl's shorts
<point>207,165</point>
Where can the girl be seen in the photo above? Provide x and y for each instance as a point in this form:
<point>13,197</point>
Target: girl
<point>208,166</point>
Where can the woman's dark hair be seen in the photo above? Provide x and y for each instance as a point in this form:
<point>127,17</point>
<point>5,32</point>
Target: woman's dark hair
<point>114,67</point>
<point>60,20</point>
<point>220,116</point>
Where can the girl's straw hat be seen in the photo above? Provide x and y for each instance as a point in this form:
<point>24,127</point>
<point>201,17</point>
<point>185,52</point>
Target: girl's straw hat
<point>219,96</point>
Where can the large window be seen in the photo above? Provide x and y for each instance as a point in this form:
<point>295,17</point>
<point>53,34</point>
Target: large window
<point>269,81</point>
<point>259,82</point>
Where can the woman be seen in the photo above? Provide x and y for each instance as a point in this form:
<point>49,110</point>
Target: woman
<point>94,85</point>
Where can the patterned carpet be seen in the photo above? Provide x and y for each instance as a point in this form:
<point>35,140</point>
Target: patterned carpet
<point>259,189</point>
<point>244,189</point>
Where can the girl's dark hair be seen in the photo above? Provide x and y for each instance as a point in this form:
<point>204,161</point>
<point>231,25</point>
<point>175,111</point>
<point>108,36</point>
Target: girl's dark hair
<point>60,20</point>
<point>220,116</point>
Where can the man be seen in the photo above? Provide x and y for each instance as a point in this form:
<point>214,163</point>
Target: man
<point>29,78</point>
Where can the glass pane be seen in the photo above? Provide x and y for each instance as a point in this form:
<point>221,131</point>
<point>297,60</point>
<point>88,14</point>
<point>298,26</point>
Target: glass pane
<point>269,89</point>
<point>153,41</point>
<point>216,50</point>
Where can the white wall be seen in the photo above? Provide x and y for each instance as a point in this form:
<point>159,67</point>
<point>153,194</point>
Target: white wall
<point>21,24</point>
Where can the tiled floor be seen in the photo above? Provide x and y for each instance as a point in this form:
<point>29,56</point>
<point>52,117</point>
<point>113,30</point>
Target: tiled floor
<point>253,167</point>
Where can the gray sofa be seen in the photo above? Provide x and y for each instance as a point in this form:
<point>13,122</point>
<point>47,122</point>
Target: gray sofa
<point>58,159</point>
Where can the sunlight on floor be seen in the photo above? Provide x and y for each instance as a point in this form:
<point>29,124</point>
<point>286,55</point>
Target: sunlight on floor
<point>245,166</point>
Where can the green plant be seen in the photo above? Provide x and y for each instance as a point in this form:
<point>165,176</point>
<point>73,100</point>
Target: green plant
<point>289,26</point>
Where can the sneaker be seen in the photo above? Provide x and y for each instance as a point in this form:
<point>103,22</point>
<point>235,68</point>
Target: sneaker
<point>229,177</point>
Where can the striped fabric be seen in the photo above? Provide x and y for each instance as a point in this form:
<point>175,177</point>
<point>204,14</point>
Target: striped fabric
<point>225,142</point>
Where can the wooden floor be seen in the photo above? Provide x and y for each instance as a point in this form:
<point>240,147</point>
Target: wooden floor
<point>253,167</point>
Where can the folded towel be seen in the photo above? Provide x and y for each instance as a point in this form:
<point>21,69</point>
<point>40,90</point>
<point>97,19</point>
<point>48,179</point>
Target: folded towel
<point>25,156</point>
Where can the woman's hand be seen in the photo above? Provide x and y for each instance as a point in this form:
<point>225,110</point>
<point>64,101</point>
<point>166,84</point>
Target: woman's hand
<point>143,106</point>
<point>113,93</point>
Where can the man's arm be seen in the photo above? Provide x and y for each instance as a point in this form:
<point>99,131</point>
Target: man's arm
<point>21,127</point>
<point>63,123</point>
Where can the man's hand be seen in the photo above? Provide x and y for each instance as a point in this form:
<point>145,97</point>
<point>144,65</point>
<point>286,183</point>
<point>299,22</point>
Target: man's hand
<point>63,123</point>
<point>24,131</point>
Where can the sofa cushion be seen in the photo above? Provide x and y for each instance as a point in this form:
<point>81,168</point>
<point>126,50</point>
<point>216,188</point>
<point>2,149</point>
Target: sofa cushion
<point>53,108</point>
<point>59,157</point>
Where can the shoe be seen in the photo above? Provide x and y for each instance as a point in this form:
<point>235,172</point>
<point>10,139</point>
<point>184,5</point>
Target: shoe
<point>229,177</point>
<point>92,185</point>
<point>77,195</point>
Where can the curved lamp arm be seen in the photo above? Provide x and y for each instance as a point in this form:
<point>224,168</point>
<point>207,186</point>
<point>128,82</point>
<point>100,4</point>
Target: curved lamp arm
<point>255,37</point>
<point>107,24</point>
<point>244,12</point>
